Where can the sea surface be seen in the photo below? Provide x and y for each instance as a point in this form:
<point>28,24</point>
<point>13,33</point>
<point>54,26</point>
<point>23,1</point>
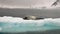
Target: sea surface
<point>44,13</point>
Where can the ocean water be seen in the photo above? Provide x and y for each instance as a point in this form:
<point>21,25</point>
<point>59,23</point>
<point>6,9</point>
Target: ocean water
<point>19,25</point>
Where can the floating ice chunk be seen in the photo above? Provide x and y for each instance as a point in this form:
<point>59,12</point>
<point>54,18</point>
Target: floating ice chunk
<point>10,19</point>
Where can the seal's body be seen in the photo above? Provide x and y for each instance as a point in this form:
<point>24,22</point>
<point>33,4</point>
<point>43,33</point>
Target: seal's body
<point>31,18</point>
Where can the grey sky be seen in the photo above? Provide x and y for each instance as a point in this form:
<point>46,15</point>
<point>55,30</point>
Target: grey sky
<point>25,3</point>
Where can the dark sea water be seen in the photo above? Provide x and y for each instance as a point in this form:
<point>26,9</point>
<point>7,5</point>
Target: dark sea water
<point>44,13</point>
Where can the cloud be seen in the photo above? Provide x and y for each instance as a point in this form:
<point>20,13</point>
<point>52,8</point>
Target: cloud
<point>25,3</point>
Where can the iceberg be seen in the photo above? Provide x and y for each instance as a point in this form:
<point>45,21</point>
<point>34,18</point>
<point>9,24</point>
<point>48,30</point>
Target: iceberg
<point>17,24</point>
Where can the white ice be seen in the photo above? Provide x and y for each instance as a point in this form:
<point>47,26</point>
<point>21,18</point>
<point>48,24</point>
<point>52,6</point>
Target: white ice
<point>9,19</point>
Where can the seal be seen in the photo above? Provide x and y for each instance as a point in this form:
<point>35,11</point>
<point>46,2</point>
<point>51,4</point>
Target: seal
<point>32,18</point>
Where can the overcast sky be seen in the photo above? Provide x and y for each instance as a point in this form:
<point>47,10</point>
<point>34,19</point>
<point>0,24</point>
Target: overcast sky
<point>26,3</point>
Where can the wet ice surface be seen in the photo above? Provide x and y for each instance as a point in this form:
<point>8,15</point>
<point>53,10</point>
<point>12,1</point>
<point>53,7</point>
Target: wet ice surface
<point>15,24</point>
